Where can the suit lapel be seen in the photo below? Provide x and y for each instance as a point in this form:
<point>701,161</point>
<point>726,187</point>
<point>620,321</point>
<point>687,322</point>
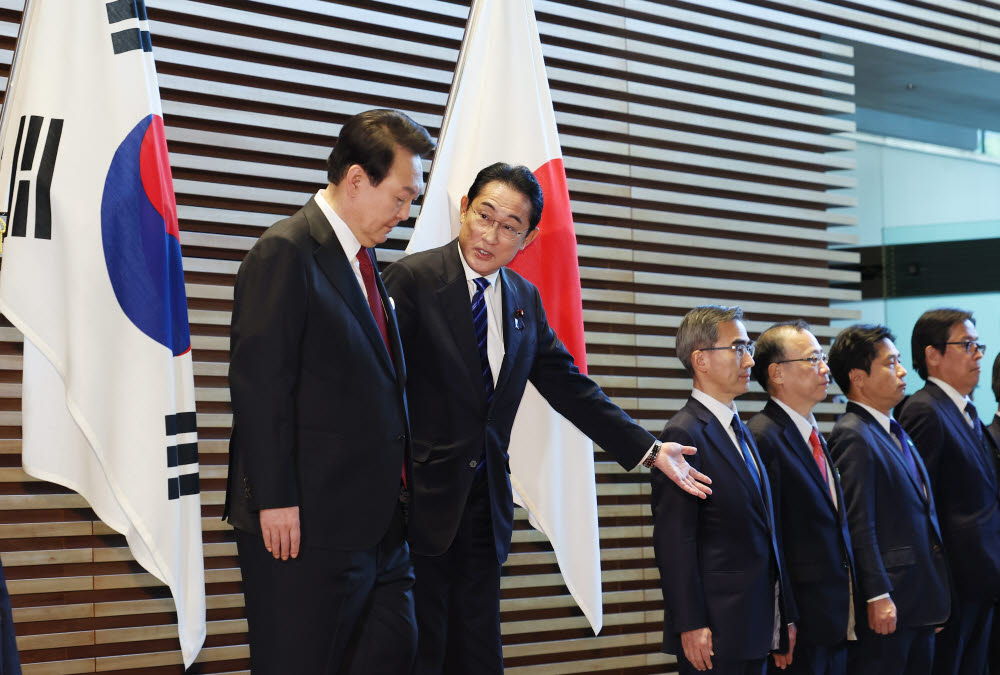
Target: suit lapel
<point>333,262</point>
<point>457,309</point>
<point>727,449</point>
<point>511,334</point>
<point>803,453</point>
<point>960,426</point>
<point>892,450</point>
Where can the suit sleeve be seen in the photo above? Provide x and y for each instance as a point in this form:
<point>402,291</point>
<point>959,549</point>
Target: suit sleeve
<point>269,308</point>
<point>580,400</point>
<point>853,460</point>
<point>675,544</point>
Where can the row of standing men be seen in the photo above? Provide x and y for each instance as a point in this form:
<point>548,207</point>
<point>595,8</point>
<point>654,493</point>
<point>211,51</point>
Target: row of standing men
<point>873,554</point>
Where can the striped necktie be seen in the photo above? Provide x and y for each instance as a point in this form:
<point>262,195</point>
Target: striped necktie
<point>480,321</point>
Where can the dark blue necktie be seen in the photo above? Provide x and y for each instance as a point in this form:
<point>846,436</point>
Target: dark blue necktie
<point>480,321</point>
<point>738,428</point>
<point>977,428</point>
<point>907,450</point>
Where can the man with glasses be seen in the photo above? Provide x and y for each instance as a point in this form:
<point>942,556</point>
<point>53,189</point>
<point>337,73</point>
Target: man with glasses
<point>474,334</point>
<point>902,587</point>
<point>808,502</point>
<point>725,600</point>
<point>945,426</point>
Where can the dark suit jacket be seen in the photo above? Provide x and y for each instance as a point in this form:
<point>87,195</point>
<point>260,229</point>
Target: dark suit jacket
<point>894,527</point>
<point>319,412</point>
<point>993,431</point>
<point>452,424</point>
<point>966,492</point>
<point>718,557</point>
<point>813,531</point>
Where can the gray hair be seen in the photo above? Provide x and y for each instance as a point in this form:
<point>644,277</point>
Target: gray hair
<point>700,329</point>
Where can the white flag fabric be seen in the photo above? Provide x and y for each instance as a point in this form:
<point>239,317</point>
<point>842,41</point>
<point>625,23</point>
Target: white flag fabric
<point>92,276</point>
<point>500,109</point>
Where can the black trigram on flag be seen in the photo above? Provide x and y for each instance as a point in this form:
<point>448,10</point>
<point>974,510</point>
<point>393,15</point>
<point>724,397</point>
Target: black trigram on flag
<point>128,39</point>
<point>182,452</point>
<point>32,171</point>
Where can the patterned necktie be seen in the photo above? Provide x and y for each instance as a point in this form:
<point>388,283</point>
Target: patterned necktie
<point>374,299</point>
<point>817,449</point>
<point>745,450</point>
<point>905,447</point>
<point>480,321</point>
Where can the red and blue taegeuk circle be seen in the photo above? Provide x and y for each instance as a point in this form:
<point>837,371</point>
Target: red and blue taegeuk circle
<point>141,237</point>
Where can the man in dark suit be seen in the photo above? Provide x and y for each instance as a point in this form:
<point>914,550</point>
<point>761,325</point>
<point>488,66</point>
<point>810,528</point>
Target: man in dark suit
<point>957,451</point>
<point>320,448</point>
<point>725,604</point>
<point>475,333</point>
<point>902,576</point>
<point>808,502</point>
<point>994,433</point>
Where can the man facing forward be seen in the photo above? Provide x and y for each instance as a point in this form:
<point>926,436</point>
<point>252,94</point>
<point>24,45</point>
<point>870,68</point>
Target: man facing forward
<point>475,333</point>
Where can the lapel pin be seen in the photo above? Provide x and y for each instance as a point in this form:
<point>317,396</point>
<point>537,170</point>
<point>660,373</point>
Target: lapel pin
<point>518,319</point>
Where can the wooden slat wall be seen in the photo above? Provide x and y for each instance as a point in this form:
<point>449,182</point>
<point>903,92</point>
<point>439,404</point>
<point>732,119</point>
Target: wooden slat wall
<point>705,161</point>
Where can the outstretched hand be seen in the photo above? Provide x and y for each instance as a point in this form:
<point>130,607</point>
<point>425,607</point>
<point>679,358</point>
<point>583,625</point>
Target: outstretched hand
<point>670,460</point>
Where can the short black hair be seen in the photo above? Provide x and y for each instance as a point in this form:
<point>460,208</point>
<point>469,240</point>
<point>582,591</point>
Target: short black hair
<point>518,177</point>
<point>931,330</point>
<point>855,348</point>
<point>771,348</point>
<point>996,378</point>
<point>370,139</point>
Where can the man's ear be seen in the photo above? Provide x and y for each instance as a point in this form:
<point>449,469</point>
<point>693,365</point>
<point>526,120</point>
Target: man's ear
<point>932,357</point>
<point>775,373</point>
<point>355,178</point>
<point>530,238</point>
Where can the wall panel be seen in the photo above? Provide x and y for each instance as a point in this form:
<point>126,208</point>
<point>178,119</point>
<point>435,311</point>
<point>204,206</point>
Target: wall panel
<point>706,161</point>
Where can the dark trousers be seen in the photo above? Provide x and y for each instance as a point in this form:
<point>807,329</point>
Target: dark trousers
<point>810,659</point>
<point>458,598</point>
<point>962,647</point>
<point>723,667</point>
<point>908,651</point>
<point>330,612</point>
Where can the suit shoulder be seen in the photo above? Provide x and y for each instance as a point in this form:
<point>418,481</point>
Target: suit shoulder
<point>418,265</point>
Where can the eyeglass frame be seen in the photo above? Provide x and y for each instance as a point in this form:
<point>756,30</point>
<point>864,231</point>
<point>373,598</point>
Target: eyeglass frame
<point>745,347</point>
<point>486,222</point>
<point>968,344</point>
<point>813,360</point>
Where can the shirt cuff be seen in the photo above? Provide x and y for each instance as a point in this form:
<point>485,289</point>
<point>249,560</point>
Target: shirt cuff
<point>878,597</point>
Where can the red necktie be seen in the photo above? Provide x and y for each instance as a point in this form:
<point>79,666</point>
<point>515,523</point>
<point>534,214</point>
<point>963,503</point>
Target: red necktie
<point>817,449</point>
<point>378,311</point>
<point>374,299</point>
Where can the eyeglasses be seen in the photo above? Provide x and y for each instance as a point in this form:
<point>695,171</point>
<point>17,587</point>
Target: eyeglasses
<point>741,349</point>
<point>969,346</point>
<point>811,360</point>
<point>484,222</point>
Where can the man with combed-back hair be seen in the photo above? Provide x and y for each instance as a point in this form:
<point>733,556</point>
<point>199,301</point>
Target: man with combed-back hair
<point>958,452</point>
<point>319,456</point>
<point>726,604</point>
<point>903,588</point>
<point>809,504</point>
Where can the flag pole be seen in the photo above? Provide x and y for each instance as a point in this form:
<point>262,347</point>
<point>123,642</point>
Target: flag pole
<point>10,76</point>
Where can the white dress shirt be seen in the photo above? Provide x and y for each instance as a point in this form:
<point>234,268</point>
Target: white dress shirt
<point>959,400</point>
<point>347,240</point>
<point>805,428</point>
<point>493,296</point>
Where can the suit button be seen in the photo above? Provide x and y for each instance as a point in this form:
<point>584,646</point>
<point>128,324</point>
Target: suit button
<point>473,463</point>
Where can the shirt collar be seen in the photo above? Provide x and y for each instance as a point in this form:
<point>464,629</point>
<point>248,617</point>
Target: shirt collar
<point>953,394</point>
<point>805,426</point>
<point>471,274</point>
<point>347,240</point>
<point>724,413</point>
<point>879,416</point>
